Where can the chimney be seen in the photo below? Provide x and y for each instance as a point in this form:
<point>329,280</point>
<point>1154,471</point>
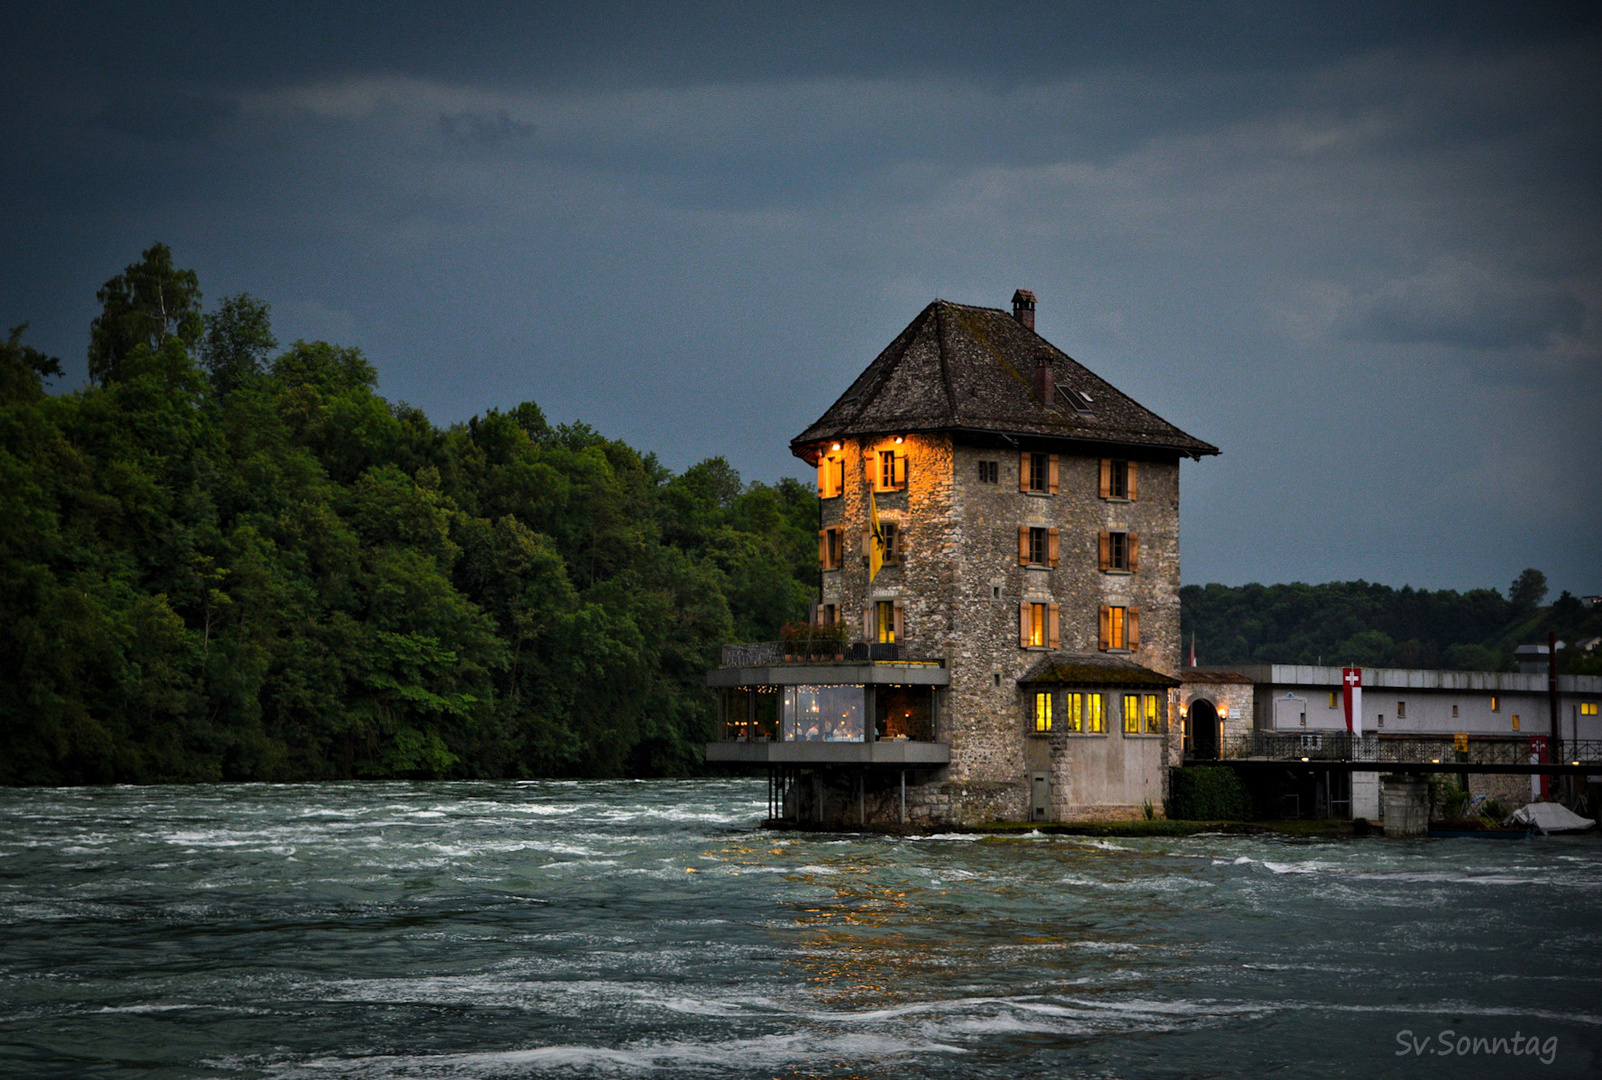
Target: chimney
<point>1023,308</point>
<point>1045,380</point>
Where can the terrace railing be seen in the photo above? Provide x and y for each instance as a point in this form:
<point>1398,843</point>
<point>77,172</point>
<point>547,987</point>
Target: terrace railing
<point>1339,746</point>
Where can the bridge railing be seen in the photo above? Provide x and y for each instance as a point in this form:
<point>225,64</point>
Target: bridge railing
<point>1402,750</point>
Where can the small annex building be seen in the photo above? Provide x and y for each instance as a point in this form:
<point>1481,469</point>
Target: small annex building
<point>996,629</point>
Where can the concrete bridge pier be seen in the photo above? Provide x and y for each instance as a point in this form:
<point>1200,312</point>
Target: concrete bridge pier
<point>1406,801</point>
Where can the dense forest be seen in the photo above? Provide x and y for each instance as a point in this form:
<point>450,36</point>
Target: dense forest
<point>225,561</point>
<point>1358,623</point>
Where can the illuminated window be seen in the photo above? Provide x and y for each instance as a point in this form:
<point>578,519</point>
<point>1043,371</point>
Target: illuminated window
<point>1401,710</point>
<point>1076,711</point>
<point>1038,615</point>
<point>1588,708</point>
<point>831,478</point>
<point>1151,714</point>
<point>1515,721</point>
<point>1114,628</point>
<point>1333,694</point>
<point>1496,704</point>
<point>885,620</point>
<point>892,470</point>
<point>1043,711</point>
<point>1131,714</point>
<point>1095,719</point>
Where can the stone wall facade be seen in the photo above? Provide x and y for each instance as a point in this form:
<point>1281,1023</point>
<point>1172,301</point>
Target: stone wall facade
<point>960,586</point>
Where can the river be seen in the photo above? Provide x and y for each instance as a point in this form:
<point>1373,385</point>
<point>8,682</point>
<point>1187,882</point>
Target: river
<point>499,929</point>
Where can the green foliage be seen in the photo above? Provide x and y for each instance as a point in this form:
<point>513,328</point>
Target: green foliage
<point>258,568</point>
<point>1207,793</point>
<point>145,305</point>
<point>238,338</point>
<point>1369,625</point>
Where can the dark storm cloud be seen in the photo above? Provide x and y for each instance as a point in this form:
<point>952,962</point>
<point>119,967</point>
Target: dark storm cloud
<point>488,130</point>
<point>1474,319</point>
<point>1319,239</point>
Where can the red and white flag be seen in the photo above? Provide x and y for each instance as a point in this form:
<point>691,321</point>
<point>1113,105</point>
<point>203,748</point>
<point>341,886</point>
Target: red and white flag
<point>1352,680</point>
<point>1193,648</point>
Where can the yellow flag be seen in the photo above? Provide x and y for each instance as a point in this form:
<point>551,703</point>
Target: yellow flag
<point>875,539</point>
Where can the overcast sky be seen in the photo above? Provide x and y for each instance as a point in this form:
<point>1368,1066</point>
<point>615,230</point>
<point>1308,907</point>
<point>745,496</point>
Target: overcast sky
<point>1355,247</point>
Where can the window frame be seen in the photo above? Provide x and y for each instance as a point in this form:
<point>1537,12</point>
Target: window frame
<point>1041,713</point>
<point>890,469</point>
<point>1118,479</point>
<point>831,547</point>
<point>1131,714</point>
<point>1095,713</point>
<point>1152,714</point>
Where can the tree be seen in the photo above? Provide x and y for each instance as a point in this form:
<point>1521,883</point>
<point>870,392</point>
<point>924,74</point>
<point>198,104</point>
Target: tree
<point>1528,590</point>
<point>148,303</point>
<point>23,369</point>
<point>238,338</point>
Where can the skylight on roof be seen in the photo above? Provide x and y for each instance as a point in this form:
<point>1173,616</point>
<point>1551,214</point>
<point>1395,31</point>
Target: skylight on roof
<point>1077,398</point>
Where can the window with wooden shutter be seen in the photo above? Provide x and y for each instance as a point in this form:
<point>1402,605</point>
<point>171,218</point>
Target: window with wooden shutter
<point>1051,473</point>
<point>895,544</point>
<point>831,478</point>
<point>1023,545</point>
<point>1130,485</point>
<point>1117,551</point>
<point>1023,624</point>
<point>1106,478</point>
<point>1114,628</point>
<point>823,548</point>
<point>886,615</point>
<point>892,471</point>
<point>1052,547</point>
<point>1039,547</point>
<point>1132,619</point>
<point>898,622</point>
<point>1104,561</point>
<point>1023,470</point>
<point>1134,553</point>
<point>868,628</point>
<point>1054,627</point>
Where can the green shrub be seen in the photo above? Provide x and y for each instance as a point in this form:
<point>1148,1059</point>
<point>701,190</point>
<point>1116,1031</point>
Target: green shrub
<point>1207,793</point>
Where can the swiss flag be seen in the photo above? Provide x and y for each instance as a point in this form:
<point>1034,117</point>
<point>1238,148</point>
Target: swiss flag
<point>1352,681</point>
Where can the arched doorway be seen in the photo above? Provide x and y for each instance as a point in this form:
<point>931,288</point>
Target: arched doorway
<point>1201,731</point>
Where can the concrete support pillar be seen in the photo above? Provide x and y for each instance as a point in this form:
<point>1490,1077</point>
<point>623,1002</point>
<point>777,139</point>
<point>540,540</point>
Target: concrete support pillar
<point>1365,796</point>
<point>1407,805</point>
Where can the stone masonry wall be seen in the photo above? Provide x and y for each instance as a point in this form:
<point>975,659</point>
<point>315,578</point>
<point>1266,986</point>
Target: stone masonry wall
<point>961,586</point>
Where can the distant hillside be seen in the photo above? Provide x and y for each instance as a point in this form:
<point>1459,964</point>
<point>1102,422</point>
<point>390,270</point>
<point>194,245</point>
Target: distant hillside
<point>1356,622</point>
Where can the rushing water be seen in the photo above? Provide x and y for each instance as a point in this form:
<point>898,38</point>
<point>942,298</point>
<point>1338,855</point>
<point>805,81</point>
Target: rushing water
<point>624,929</point>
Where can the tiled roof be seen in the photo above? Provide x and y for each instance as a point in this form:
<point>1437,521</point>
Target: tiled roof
<point>1194,675</point>
<point>957,367</point>
<point>1092,669</point>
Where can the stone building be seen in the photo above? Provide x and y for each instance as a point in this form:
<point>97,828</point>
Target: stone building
<point>999,595</point>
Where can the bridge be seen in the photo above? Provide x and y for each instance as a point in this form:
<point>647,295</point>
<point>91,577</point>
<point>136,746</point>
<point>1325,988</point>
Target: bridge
<point>1341,752</point>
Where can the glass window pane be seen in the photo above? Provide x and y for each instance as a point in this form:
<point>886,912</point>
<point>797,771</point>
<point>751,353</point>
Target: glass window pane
<point>823,713</point>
